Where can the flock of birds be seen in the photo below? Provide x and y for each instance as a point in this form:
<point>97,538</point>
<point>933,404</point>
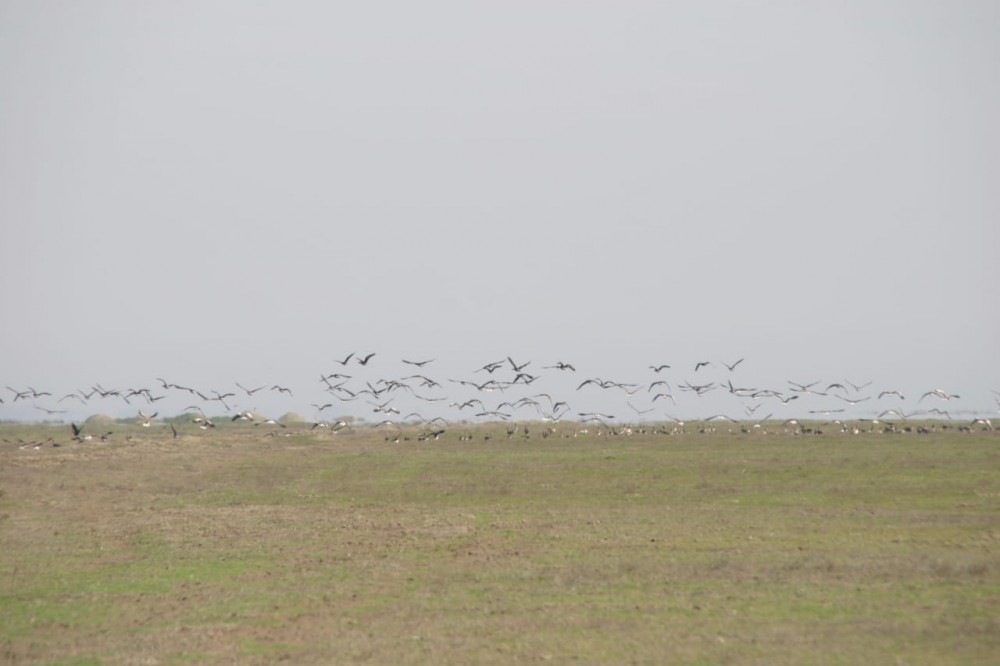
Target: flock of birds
<point>511,391</point>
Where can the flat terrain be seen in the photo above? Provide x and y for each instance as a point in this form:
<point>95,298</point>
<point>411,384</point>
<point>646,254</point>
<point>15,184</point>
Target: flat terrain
<point>232,546</point>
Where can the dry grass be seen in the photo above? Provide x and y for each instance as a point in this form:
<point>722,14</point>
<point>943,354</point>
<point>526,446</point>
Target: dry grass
<point>235,547</point>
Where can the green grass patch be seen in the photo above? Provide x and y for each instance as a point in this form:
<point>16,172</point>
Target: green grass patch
<point>644,549</point>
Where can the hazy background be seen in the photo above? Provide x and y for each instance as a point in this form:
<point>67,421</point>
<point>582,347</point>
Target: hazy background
<point>220,192</point>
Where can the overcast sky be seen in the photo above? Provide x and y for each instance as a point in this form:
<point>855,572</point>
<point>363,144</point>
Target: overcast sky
<point>221,192</point>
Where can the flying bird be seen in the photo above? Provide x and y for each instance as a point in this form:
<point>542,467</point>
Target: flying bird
<point>518,368</point>
<point>490,367</point>
<point>938,393</point>
<point>146,420</point>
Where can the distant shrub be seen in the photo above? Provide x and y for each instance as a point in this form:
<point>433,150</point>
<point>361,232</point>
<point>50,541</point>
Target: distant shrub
<point>99,421</point>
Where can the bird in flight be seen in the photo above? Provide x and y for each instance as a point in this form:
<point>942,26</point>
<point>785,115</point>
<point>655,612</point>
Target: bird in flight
<point>638,411</point>
<point>701,364</point>
<point>658,368</point>
<point>364,361</point>
<point>664,395</point>
<point>518,368</point>
<point>344,362</point>
<point>938,393</point>
<point>419,364</point>
<point>733,366</point>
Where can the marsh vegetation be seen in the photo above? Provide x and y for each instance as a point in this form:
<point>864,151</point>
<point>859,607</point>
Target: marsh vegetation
<point>236,545</point>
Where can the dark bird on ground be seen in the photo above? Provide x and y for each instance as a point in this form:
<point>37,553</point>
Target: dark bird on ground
<point>78,433</point>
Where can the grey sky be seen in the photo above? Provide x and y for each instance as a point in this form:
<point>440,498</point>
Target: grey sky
<point>229,191</point>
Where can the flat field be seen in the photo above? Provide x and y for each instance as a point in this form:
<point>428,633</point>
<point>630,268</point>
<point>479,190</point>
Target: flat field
<point>232,546</point>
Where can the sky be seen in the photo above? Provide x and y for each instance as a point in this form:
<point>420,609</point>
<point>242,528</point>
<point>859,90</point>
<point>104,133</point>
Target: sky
<point>221,192</point>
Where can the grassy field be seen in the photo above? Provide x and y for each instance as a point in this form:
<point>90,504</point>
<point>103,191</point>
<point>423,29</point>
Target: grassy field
<point>235,547</point>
